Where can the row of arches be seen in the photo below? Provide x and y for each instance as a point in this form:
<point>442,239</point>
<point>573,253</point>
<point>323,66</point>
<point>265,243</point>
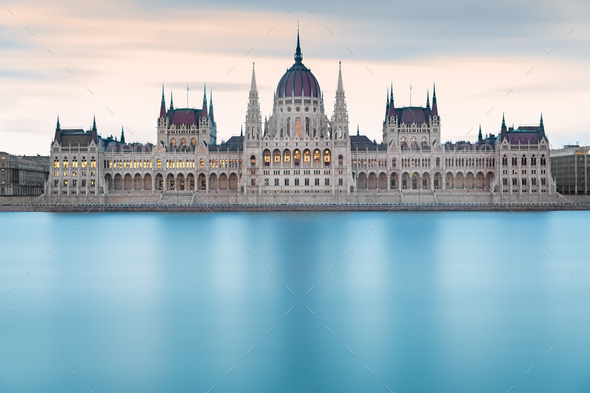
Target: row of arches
<point>372,181</point>
<point>295,158</point>
<point>180,182</point>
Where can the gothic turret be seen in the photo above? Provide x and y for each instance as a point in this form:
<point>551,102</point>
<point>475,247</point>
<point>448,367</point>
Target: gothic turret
<point>504,129</point>
<point>253,115</point>
<point>340,116</point>
<point>122,134</point>
<point>163,105</point>
<point>434,104</point>
<point>204,108</point>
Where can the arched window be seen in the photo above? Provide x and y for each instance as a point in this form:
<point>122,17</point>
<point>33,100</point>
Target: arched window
<point>183,142</point>
<point>252,160</point>
<point>306,156</point>
<point>307,126</point>
<point>289,127</point>
<point>298,127</point>
<point>276,155</point>
<point>504,160</point>
<point>266,157</point>
<point>193,141</point>
<point>543,161</point>
<point>327,157</point>
<point>523,160</point>
<point>340,160</point>
<point>514,160</point>
<point>56,163</point>
<point>438,162</point>
<point>297,157</point>
<point>316,156</point>
<point>287,157</point>
<point>159,163</point>
<point>173,141</point>
<point>533,160</point>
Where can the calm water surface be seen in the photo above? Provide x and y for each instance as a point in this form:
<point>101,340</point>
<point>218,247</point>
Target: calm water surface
<point>280,302</point>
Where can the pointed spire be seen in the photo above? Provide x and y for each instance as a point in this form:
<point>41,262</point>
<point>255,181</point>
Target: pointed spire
<point>357,130</point>
<point>163,105</point>
<point>94,124</point>
<point>391,109</point>
<point>541,125</point>
<point>427,99</point>
<point>171,102</point>
<point>57,126</point>
<point>479,136</point>
<point>122,134</point>
<point>241,130</point>
<point>298,54</point>
<point>340,88</point>
<point>253,87</point>
<point>204,109</point>
<point>211,105</point>
<point>504,130</point>
<point>434,104</point>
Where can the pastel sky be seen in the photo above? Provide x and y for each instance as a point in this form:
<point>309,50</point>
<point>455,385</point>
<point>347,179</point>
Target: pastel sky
<point>79,59</point>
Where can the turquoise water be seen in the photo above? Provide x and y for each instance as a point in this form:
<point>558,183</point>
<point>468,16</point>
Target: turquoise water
<point>281,302</point>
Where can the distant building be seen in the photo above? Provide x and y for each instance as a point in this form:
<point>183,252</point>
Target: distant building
<point>571,168</point>
<point>23,175</point>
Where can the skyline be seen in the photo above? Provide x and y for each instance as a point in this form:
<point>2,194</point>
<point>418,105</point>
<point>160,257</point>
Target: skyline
<point>516,59</point>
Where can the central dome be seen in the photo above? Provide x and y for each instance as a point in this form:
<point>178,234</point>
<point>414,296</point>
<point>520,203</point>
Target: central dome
<point>298,81</point>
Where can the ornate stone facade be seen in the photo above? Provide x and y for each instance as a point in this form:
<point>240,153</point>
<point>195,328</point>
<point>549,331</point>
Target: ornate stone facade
<point>301,155</point>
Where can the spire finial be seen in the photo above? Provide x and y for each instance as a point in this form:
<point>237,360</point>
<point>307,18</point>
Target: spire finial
<point>298,54</point>
<point>340,87</point>
<point>94,123</point>
<point>427,99</point>
<point>171,102</point>
<point>122,134</point>
<point>357,130</point>
<point>541,124</point>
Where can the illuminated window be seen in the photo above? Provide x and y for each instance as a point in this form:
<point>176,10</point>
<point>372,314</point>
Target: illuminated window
<point>266,158</point>
<point>159,164</point>
<point>327,157</point>
<point>297,157</point>
<point>65,183</point>
<point>252,160</point>
<point>55,174</point>
<point>65,174</point>
<point>316,156</point>
<point>84,164</point>
<point>306,156</point>
<point>66,163</point>
<point>201,163</point>
<point>193,141</point>
<point>55,163</point>
<point>277,156</point>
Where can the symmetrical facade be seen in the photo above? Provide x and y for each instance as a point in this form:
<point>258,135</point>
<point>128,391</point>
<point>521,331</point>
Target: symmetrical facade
<point>302,153</point>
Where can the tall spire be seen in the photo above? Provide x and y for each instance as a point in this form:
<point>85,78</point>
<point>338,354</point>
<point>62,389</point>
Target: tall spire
<point>163,105</point>
<point>434,105</point>
<point>391,102</point>
<point>253,87</point>
<point>541,128</point>
<point>503,122</point>
<point>171,102</point>
<point>479,136</point>
<point>122,134</point>
<point>57,126</point>
<point>298,54</point>
<point>211,106</point>
<point>541,125</point>
<point>204,109</point>
<point>340,88</point>
<point>504,130</point>
<point>357,130</point>
<point>427,99</point>
<point>94,124</point>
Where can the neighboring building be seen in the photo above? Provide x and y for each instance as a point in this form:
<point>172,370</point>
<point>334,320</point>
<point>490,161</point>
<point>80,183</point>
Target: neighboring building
<point>23,175</point>
<point>571,168</point>
<point>299,151</point>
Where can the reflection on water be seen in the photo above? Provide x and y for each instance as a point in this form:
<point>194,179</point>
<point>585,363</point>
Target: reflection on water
<point>438,302</point>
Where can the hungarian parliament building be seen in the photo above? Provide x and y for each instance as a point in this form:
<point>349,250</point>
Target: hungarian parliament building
<point>300,155</point>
